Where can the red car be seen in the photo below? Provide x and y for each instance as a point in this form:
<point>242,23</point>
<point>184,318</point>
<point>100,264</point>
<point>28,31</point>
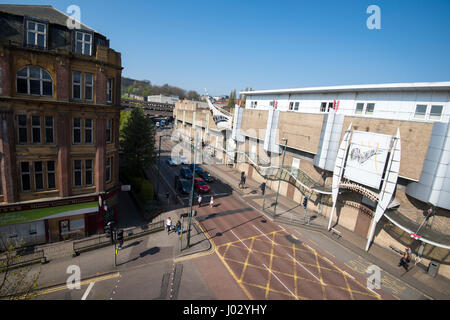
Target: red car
<point>201,185</point>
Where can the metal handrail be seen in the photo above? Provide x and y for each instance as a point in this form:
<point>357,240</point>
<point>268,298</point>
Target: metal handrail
<point>17,259</point>
<point>103,239</point>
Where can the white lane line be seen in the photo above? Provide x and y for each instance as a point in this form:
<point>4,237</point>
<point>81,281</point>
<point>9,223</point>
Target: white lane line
<point>86,293</point>
<point>219,194</point>
<point>310,248</point>
<point>329,261</point>
<point>282,228</point>
<point>262,233</point>
<point>280,281</point>
<point>294,237</point>
<point>240,240</point>
<point>305,269</point>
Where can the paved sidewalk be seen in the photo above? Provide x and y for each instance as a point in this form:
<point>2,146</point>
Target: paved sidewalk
<point>292,214</point>
<point>101,261</point>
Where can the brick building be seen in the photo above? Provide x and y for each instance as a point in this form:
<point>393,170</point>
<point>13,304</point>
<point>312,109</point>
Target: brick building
<point>59,126</point>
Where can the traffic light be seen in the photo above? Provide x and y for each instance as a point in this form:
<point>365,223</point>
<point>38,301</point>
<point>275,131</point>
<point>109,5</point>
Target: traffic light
<point>305,202</point>
<point>263,188</point>
<point>109,228</point>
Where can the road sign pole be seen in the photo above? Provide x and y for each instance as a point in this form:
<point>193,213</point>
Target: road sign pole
<point>157,178</point>
<point>192,194</point>
<point>115,249</point>
<point>279,179</point>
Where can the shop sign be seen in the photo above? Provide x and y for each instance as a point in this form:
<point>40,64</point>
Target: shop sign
<point>367,158</point>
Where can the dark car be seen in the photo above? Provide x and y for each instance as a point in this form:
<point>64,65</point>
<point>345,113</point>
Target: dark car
<point>198,169</point>
<point>205,176</point>
<point>183,185</point>
<point>186,173</point>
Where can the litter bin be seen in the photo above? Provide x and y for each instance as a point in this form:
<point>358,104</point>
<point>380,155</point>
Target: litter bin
<point>433,268</point>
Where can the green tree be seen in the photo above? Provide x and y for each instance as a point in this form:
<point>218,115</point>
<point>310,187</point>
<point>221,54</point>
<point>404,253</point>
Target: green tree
<point>193,95</point>
<point>146,91</point>
<point>138,140</point>
<point>124,115</point>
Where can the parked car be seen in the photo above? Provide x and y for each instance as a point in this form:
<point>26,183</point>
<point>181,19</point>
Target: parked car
<point>186,173</point>
<point>183,185</point>
<point>198,169</point>
<point>205,176</point>
<point>201,185</point>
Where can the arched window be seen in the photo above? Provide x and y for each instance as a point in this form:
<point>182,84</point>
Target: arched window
<point>35,81</point>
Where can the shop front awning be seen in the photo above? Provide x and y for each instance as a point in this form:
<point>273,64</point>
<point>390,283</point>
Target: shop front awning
<point>23,216</point>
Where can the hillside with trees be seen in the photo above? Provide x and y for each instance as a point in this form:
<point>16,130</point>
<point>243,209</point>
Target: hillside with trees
<point>145,88</point>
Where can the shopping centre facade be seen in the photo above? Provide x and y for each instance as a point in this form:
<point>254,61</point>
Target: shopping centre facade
<point>370,158</point>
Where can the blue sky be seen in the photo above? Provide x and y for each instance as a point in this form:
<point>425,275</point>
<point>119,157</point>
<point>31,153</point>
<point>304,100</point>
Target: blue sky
<point>226,44</point>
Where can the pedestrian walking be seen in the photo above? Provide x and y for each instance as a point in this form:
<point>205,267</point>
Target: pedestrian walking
<point>211,202</point>
<point>404,261</point>
<point>199,200</point>
<point>178,227</point>
<point>168,224</point>
<point>242,182</point>
<point>408,253</point>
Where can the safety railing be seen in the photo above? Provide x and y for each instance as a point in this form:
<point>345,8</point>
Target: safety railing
<point>12,260</point>
<point>273,173</point>
<point>104,240</point>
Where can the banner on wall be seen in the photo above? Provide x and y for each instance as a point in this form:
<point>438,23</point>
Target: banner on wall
<point>367,157</point>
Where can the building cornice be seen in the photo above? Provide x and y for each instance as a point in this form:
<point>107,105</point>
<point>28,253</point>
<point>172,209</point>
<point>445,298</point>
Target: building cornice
<point>58,102</point>
<point>413,86</point>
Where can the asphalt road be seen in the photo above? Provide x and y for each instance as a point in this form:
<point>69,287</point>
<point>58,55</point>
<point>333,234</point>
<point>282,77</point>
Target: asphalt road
<point>218,188</point>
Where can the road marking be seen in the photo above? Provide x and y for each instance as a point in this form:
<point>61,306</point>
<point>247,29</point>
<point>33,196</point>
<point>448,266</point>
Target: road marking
<point>306,269</point>
<point>219,194</point>
<point>64,287</point>
<point>240,240</point>
<point>262,233</point>
<point>86,293</point>
<point>310,248</point>
<point>329,261</point>
<point>294,237</point>
<point>374,292</point>
<point>282,228</point>
<point>280,281</point>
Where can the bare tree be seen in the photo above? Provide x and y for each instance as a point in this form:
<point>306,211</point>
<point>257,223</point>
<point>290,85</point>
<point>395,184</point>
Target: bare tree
<point>16,283</point>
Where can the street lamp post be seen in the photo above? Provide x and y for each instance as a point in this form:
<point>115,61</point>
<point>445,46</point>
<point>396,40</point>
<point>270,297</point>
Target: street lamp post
<point>279,179</point>
<point>159,158</point>
<point>192,194</point>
